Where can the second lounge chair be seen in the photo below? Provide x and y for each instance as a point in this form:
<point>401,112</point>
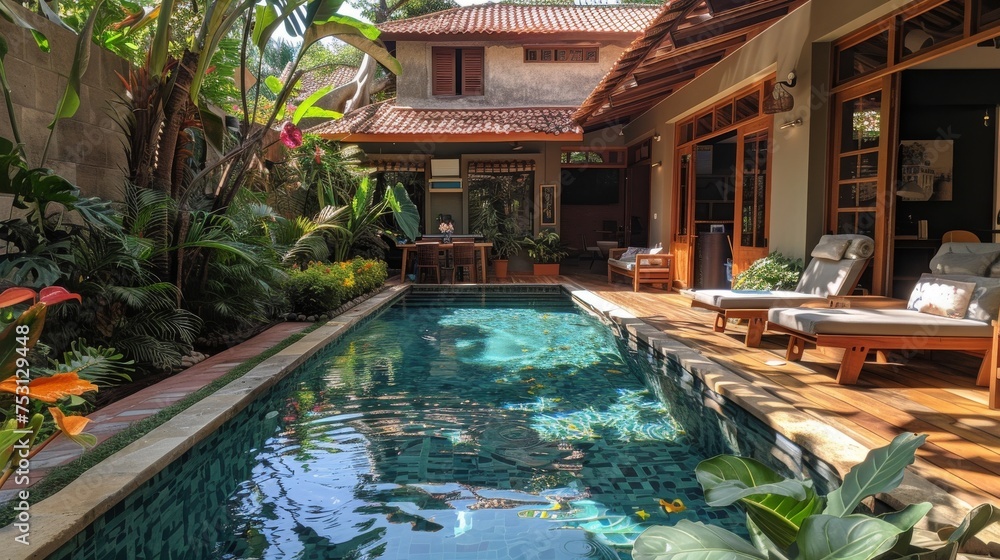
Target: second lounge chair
<point>836,266</point>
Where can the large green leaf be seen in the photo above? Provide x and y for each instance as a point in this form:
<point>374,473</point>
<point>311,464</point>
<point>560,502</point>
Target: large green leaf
<point>764,544</point>
<point>268,19</point>
<point>975,521</point>
<point>404,211</point>
<point>159,47</point>
<point>353,35</point>
<point>776,505</point>
<point>690,540</point>
<point>9,10</point>
<point>70,101</point>
<point>52,16</point>
<point>907,517</point>
<point>854,537</point>
<point>881,471</point>
<point>303,110</point>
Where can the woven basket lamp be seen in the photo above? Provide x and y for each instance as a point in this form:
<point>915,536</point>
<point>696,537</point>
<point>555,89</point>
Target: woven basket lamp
<point>781,99</point>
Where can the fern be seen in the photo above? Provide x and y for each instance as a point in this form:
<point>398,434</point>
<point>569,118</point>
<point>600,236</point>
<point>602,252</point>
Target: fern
<point>103,366</point>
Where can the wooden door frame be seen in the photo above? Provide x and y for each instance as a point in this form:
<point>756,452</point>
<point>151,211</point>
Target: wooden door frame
<point>683,244</point>
<point>885,201</point>
<point>762,123</point>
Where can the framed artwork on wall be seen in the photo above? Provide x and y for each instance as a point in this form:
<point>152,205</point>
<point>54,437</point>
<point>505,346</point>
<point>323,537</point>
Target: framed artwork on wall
<point>548,205</point>
<point>926,170</point>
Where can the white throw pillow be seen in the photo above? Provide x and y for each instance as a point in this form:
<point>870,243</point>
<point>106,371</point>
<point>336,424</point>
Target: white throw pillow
<point>940,296</point>
<point>830,248</point>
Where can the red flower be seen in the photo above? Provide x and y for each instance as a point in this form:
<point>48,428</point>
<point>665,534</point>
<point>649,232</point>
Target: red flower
<point>291,136</point>
<point>318,154</point>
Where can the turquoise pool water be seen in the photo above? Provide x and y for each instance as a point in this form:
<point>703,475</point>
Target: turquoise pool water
<point>516,426</point>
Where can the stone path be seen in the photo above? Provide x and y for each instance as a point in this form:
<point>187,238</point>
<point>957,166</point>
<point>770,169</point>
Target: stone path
<point>117,416</point>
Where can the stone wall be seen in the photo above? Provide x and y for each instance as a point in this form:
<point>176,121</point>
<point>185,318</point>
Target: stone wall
<point>86,149</point>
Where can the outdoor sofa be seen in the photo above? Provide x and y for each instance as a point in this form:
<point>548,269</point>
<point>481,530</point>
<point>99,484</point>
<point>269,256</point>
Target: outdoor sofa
<point>954,307</point>
<point>836,265</point>
<point>643,265</point>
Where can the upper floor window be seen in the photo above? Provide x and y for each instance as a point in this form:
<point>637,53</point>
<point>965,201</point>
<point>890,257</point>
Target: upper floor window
<point>561,53</point>
<point>457,71</point>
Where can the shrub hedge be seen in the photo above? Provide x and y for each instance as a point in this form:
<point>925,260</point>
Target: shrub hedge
<point>321,287</point>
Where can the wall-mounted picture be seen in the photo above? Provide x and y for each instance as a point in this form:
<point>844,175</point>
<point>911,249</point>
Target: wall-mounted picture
<point>926,170</point>
<point>548,205</point>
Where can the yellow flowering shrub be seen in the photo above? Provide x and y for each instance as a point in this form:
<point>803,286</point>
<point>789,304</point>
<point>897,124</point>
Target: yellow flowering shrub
<point>322,287</point>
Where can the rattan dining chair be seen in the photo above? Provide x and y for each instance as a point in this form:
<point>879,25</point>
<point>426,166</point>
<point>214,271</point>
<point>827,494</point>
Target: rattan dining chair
<point>428,258</point>
<point>463,255</point>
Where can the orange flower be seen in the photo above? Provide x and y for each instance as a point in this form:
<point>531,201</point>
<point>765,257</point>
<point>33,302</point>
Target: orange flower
<point>73,426</point>
<point>70,425</point>
<point>51,389</point>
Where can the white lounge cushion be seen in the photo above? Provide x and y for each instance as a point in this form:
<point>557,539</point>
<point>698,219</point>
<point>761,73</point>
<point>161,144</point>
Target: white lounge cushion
<point>752,299</point>
<point>876,322</point>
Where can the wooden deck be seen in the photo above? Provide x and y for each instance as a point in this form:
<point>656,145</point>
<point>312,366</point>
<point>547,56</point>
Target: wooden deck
<point>934,394</point>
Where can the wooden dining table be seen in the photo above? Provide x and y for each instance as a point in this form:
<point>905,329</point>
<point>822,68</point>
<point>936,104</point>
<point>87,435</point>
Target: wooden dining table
<point>481,247</point>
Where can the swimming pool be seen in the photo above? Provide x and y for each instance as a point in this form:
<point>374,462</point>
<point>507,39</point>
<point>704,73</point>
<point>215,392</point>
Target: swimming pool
<point>503,425</point>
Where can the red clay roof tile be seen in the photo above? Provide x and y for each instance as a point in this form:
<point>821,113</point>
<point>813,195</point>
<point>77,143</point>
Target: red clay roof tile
<point>515,19</point>
<point>387,119</point>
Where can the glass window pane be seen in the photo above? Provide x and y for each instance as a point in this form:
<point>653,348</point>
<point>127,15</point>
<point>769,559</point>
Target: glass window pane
<point>845,222</point>
<point>848,167</point>
<point>867,194</point>
<point>989,11</point>
<point>869,164</point>
<point>747,106</point>
<point>847,195</point>
<point>922,32</point>
<point>705,124</point>
<point>861,122</point>
<point>863,57</point>
<point>866,223</point>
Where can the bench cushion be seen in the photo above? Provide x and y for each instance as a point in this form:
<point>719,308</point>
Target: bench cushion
<point>752,299</point>
<point>876,322</point>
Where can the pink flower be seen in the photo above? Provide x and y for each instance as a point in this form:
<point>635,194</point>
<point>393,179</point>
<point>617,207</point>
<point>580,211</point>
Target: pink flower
<point>318,154</point>
<point>291,136</point>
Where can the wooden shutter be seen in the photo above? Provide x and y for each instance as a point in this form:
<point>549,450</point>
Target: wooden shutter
<point>443,71</point>
<point>472,71</point>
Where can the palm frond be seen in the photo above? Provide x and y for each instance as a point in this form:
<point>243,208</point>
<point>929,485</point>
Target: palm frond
<point>103,366</point>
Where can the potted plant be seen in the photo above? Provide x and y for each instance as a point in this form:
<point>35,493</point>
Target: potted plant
<point>506,244</point>
<point>546,249</point>
<point>487,219</point>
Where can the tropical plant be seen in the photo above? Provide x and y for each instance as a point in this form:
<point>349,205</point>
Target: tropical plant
<point>786,519</point>
<point>488,218</point>
<point>545,247</point>
<point>31,391</point>
<point>360,216</point>
<point>773,272</point>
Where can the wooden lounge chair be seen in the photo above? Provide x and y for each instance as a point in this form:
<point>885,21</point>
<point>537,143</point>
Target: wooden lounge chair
<point>858,330</point>
<point>824,276</point>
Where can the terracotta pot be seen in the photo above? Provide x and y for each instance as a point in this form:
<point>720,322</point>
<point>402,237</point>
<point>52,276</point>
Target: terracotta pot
<point>547,269</point>
<point>500,267</point>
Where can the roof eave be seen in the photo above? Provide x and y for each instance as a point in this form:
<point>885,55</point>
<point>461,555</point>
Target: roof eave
<point>575,136</point>
<point>560,36</point>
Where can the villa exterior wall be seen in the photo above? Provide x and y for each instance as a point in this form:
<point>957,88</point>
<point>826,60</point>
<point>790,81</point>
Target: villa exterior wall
<point>86,149</point>
<point>800,43</point>
<point>509,81</point>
